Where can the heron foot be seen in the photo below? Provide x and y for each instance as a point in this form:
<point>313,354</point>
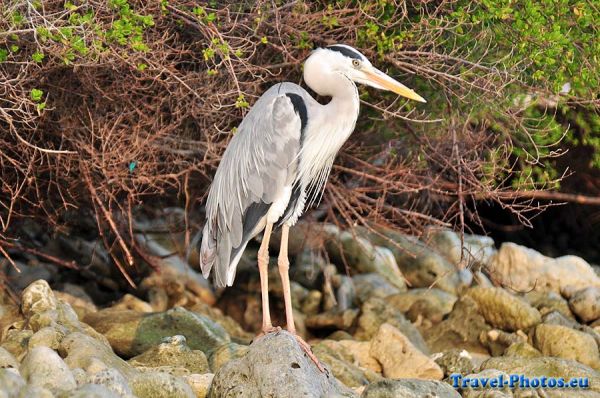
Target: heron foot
<point>268,329</point>
<point>306,348</point>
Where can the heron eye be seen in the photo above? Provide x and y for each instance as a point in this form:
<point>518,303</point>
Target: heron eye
<point>355,63</point>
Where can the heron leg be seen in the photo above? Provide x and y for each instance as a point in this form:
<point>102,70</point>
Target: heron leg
<point>284,266</point>
<point>263,265</point>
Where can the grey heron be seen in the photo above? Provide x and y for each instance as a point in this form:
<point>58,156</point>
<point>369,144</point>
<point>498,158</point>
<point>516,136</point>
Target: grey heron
<point>278,163</point>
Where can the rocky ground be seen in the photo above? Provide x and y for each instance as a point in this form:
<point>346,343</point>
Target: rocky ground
<point>388,315</point>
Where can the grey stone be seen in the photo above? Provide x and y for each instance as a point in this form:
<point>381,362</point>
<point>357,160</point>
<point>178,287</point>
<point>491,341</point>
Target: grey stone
<point>432,304</point>
<point>585,304</point>
<point>376,312</point>
<point>131,333</point>
<point>30,391</point>
<point>173,352</point>
<point>421,265</point>
<point>85,352</point>
<point>10,381</point>
<point>348,247</point>
<point>341,365</point>
<point>546,302</point>
<point>226,353</point>
<point>46,337</point>
<point>7,360</point>
<point>160,385</point>
<point>409,388</point>
<point>504,310</point>
<point>372,284</point>
<point>563,342</point>
<point>275,366</point>
<point>90,391</point>
<point>44,368</point>
<point>455,361</point>
<point>461,329</point>
<point>113,380</point>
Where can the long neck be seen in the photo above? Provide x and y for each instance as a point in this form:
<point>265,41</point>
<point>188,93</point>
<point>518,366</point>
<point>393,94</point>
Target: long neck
<point>329,127</point>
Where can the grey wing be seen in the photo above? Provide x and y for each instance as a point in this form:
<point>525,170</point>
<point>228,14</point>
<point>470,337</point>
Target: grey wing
<point>259,162</point>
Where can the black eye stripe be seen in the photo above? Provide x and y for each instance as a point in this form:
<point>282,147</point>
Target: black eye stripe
<point>345,51</point>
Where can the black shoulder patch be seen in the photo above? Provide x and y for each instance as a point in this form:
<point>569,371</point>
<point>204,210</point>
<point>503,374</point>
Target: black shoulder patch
<point>300,109</point>
<point>346,52</point>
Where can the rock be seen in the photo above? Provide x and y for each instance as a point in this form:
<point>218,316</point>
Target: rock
<point>420,265</point>
<point>375,312</point>
<point>80,305</point>
<point>130,302</point>
<point>546,302</point>
<point>173,352</point>
<point>131,333</point>
<point>544,366</point>
<point>361,352</point>
<point>226,353</point>
<point>7,360</point>
<point>43,367</point>
<point>333,319</point>
<point>399,358</point>
<point>160,385</point>
<point>85,352</point>
<point>15,342</point>
<point>461,329</point>
<point>113,380</point>
<point>455,361</point>
<point>503,310</point>
<point>341,363</point>
<point>373,285</point>
<point>92,391</point>
<point>497,341</point>
<point>562,342</point>
<point>37,392</point>
<point>488,392</point>
<point>475,250</point>
<point>308,269</point>
<point>363,257</point>
<point>585,304</point>
<point>10,382</point>
<point>200,383</point>
<point>47,337</point>
<point>270,360</point>
<point>437,303</point>
<point>38,298</point>
<point>409,388</point>
<point>237,333</point>
<point>29,273</point>
<point>312,303</point>
<point>523,350</point>
<point>525,269</point>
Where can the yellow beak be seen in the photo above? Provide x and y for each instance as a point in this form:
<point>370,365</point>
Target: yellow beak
<point>383,81</point>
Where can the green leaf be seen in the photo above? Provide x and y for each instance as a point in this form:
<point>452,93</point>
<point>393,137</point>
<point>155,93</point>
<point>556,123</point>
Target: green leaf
<point>36,94</point>
<point>37,57</point>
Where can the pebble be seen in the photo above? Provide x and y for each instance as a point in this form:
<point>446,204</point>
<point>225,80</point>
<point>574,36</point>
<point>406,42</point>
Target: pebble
<point>585,304</point>
<point>43,367</point>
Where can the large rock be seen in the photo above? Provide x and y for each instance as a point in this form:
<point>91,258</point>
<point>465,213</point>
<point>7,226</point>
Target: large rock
<point>361,255</point>
<point>173,352</point>
<point>275,366</point>
<point>461,329</point>
<point>432,304</point>
<point>372,284</point>
<point>131,333</point>
<point>420,265</point>
<point>503,310</point>
<point>409,388</point>
<point>160,385</point>
<point>585,304</point>
<point>525,269</point>
<point>376,312</point>
<point>546,302</point>
<point>473,250</point>
<point>563,342</point>
<point>546,366</point>
<point>43,367</point>
<point>341,363</point>
<point>399,358</point>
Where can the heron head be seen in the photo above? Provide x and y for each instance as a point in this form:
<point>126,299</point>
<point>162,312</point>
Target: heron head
<point>341,58</point>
